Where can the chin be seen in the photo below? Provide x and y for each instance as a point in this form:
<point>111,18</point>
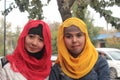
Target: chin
<point>32,52</point>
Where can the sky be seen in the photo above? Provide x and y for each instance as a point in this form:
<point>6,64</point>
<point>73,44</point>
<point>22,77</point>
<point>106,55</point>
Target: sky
<point>52,14</point>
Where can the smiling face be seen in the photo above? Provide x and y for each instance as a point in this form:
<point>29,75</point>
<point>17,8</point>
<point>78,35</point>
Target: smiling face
<point>74,40</point>
<point>34,43</point>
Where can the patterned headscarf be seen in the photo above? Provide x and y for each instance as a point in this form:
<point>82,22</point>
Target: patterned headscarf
<point>30,67</point>
<point>83,64</point>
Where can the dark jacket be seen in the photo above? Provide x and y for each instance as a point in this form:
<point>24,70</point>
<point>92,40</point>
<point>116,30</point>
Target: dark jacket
<point>99,72</point>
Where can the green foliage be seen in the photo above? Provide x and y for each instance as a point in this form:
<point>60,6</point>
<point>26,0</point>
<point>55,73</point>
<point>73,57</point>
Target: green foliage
<point>79,8</point>
<point>34,8</point>
<point>9,9</point>
<point>113,42</point>
<point>11,38</point>
<point>54,42</point>
<point>101,6</point>
<point>92,30</point>
<point>54,32</point>
<point>1,37</point>
<point>15,36</point>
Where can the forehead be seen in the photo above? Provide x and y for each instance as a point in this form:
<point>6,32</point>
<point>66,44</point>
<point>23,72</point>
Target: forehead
<point>71,29</point>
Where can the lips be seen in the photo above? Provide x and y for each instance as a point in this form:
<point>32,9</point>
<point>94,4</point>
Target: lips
<point>32,48</point>
<point>76,46</point>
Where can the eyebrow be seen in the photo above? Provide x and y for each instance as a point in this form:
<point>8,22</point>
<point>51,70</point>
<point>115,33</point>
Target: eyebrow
<point>65,32</point>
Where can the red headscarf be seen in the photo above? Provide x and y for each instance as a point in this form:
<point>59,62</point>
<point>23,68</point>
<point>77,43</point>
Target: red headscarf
<point>28,66</point>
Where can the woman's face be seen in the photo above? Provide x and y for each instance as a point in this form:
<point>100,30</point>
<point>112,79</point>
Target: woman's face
<point>34,43</point>
<point>74,40</point>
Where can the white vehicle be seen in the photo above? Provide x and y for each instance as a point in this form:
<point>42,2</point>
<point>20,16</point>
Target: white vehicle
<point>113,57</point>
<point>53,58</point>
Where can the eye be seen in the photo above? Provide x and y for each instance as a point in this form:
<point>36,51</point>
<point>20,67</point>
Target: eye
<point>41,39</point>
<point>31,36</point>
<point>80,34</point>
<point>68,36</point>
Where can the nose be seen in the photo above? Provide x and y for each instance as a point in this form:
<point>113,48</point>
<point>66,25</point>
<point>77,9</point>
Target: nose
<point>74,39</point>
<point>34,42</point>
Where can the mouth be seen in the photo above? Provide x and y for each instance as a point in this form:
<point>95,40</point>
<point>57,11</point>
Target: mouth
<point>32,48</point>
<point>75,46</point>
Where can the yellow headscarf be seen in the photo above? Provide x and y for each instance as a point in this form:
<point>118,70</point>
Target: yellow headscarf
<point>80,66</point>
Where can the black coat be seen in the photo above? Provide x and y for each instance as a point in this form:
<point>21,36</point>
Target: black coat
<point>99,72</point>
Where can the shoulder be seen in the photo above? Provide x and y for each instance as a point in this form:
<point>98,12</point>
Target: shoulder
<point>3,61</point>
<point>56,68</point>
<point>55,72</point>
<point>101,64</point>
<point>101,60</point>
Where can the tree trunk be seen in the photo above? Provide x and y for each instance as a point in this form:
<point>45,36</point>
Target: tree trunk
<point>64,7</point>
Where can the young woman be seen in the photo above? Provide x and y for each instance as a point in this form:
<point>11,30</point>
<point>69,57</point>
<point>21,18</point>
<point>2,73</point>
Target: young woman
<point>77,57</point>
<point>31,58</point>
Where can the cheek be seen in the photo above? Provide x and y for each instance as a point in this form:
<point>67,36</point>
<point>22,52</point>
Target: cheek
<point>41,45</point>
<point>26,42</point>
<point>67,42</point>
<point>83,40</point>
